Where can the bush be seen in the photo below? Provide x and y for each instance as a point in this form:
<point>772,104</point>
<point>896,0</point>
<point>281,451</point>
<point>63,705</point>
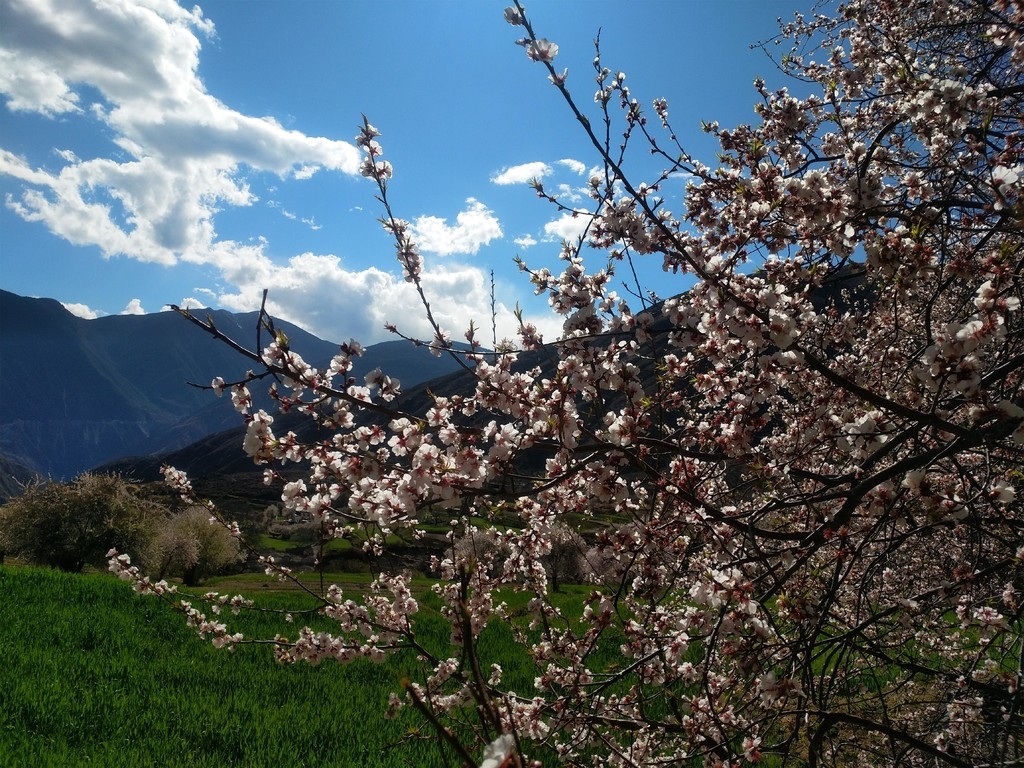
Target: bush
<point>71,525</point>
<point>189,546</point>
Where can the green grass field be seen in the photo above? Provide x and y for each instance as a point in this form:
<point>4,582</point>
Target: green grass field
<point>92,674</point>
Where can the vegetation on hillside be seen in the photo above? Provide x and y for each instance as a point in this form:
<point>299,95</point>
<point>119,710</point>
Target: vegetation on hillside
<point>71,525</point>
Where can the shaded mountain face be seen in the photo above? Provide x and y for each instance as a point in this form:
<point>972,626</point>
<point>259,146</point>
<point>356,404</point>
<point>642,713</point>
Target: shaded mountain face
<point>75,393</point>
<point>221,454</point>
<point>14,478</point>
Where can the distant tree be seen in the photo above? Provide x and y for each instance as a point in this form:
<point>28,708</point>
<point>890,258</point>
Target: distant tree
<point>806,465</point>
<point>564,561</point>
<point>481,547</point>
<point>191,547</point>
<point>71,525</point>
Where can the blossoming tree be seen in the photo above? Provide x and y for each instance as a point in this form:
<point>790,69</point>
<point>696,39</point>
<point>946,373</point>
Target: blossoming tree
<point>809,457</point>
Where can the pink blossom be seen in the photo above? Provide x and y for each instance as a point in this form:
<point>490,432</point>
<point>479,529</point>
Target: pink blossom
<point>542,50</point>
<point>513,16</point>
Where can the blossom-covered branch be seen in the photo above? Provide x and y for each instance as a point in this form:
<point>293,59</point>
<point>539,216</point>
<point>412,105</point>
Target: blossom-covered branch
<point>792,488</point>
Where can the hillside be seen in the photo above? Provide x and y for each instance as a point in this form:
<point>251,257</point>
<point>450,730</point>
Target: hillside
<point>79,393</point>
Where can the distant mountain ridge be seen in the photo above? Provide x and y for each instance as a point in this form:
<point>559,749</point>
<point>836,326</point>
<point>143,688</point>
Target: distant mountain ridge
<point>76,393</point>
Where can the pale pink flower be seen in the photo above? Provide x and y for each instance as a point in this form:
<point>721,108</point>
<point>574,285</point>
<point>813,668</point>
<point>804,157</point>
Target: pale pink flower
<point>498,751</point>
<point>542,50</point>
<point>513,16</point>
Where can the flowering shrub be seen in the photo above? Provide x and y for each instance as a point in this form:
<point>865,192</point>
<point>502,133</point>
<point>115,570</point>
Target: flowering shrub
<point>71,525</point>
<point>188,546</point>
<point>811,456</point>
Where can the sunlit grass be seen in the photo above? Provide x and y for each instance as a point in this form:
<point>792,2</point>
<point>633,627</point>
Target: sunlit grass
<point>93,674</point>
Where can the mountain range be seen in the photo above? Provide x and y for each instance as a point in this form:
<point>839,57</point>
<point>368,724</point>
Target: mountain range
<point>76,394</point>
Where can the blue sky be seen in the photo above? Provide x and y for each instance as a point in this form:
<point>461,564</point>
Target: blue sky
<point>155,153</point>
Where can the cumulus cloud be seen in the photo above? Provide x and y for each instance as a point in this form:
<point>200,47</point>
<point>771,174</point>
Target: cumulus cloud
<point>574,165</point>
<point>134,308</point>
<point>205,292</point>
<point>474,227</point>
<point>526,241</point>
<point>80,310</point>
<point>521,174</point>
<point>320,294</point>
<point>567,194</point>
<point>181,152</point>
<point>568,226</point>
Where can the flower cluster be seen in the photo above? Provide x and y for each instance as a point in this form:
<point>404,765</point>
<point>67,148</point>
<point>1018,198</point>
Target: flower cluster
<point>792,490</point>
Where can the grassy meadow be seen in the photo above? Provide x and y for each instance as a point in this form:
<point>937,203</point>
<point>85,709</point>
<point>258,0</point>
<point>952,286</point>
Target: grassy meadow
<point>92,674</point>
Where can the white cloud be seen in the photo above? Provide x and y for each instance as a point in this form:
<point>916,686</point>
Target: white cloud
<point>277,205</point>
<point>190,302</point>
<point>568,226</point>
<point>181,151</point>
<point>475,226</point>
<point>181,155</point>
<point>318,293</point>
<point>134,308</point>
<point>568,194</point>
<point>521,174</point>
<point>309,221</point>
<point>80,310</point>
<point>34,90</point>
<point>526,241</point>
<point>574,165</point>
